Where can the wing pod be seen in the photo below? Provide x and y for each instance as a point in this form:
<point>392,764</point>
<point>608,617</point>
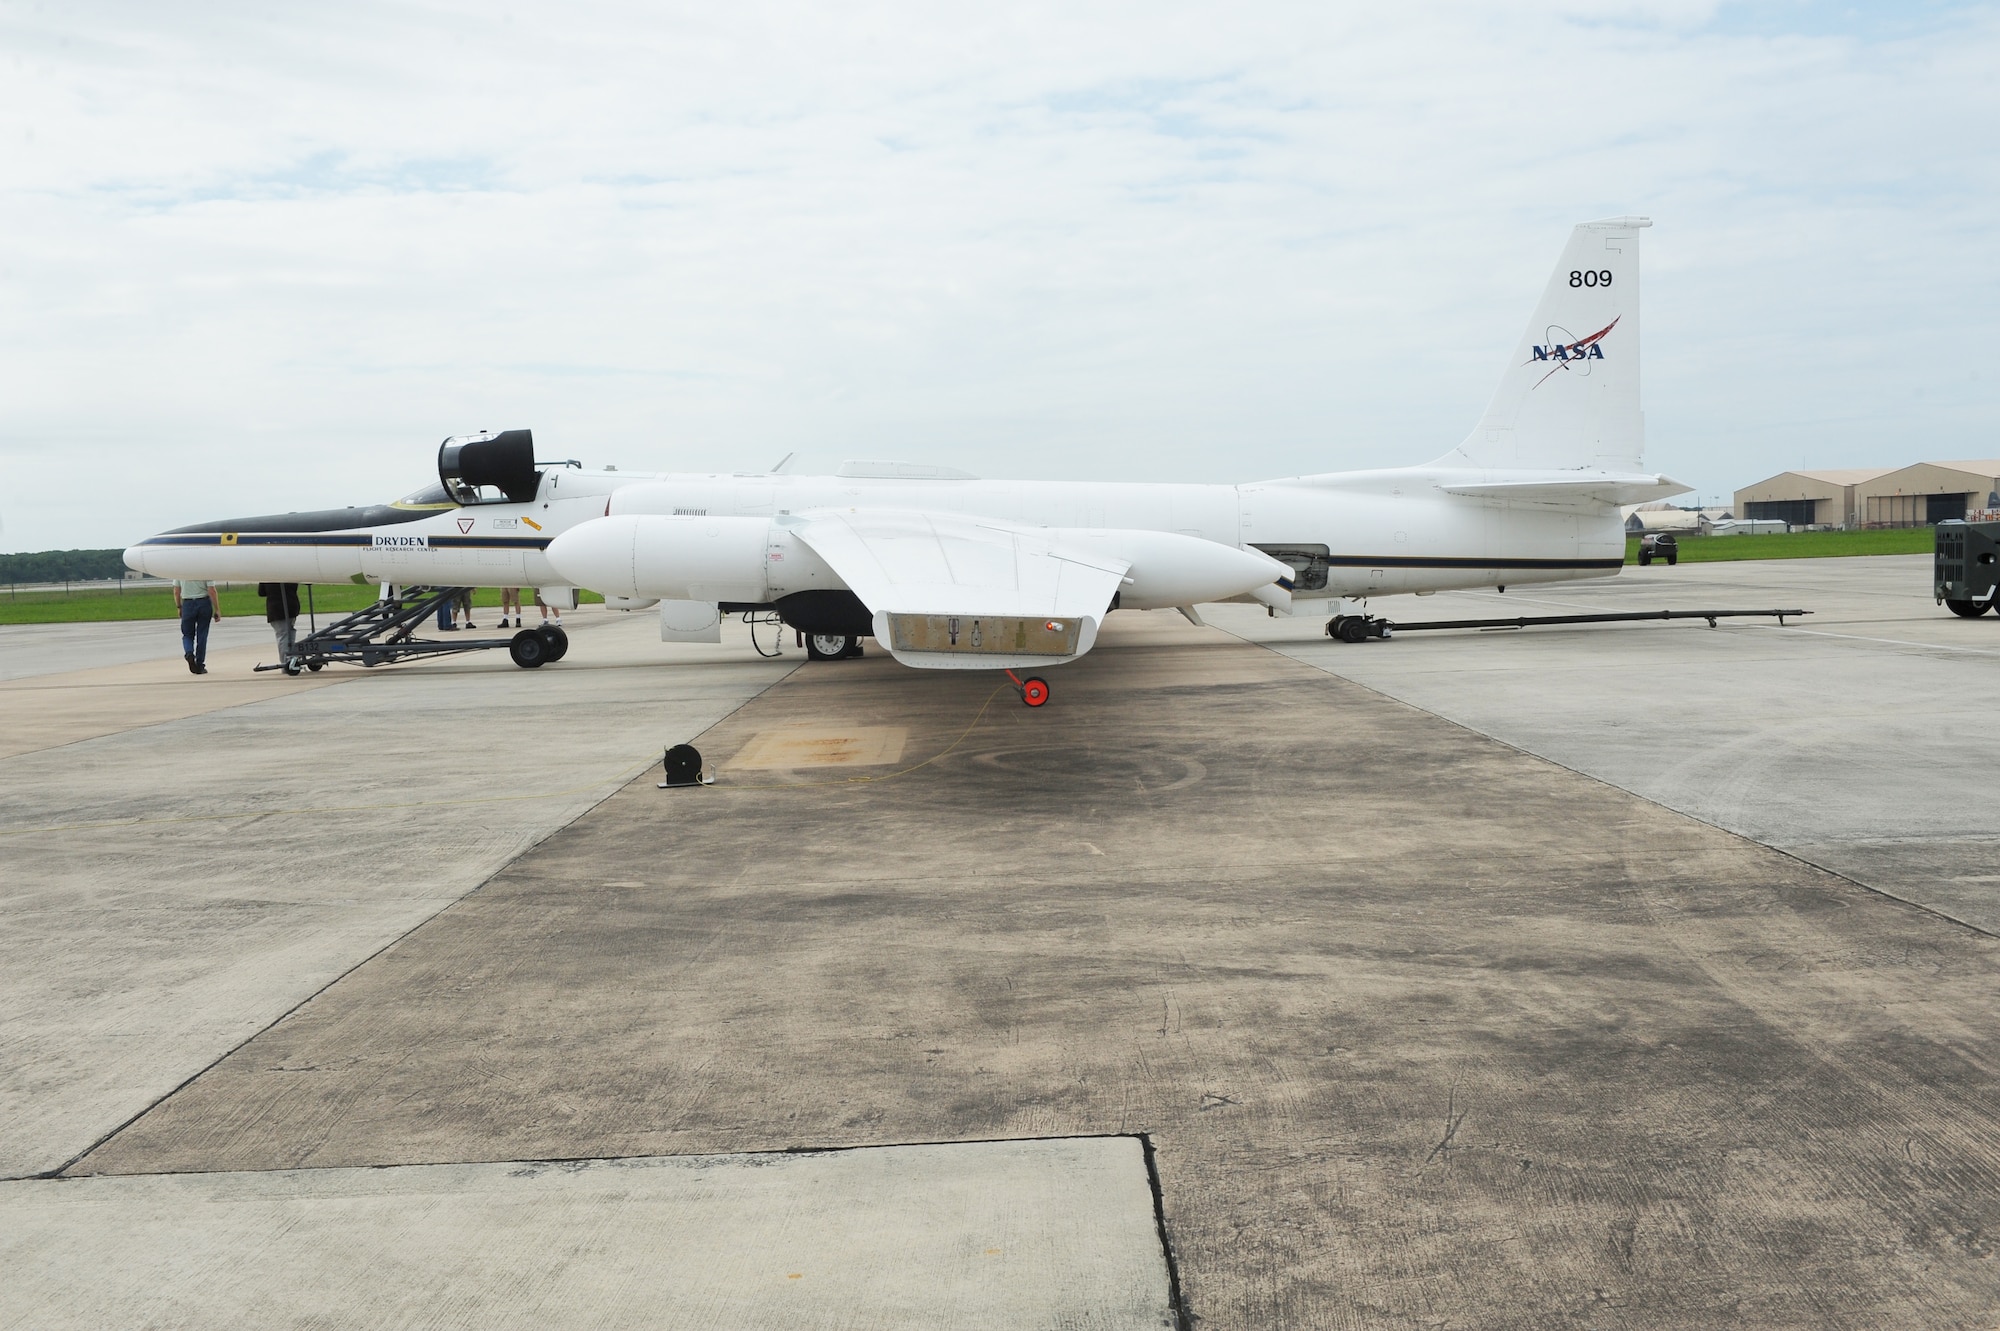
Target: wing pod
<point>1169,569</point>
<point>669,558</point>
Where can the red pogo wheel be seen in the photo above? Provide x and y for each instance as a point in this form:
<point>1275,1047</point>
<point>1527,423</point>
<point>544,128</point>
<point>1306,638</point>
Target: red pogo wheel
<point>1034,691</point>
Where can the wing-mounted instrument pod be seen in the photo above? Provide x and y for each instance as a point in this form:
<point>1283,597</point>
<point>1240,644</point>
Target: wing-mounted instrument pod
<point>505,461</point>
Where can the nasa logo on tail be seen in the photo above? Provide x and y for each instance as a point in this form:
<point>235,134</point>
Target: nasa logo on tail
<point>1570,352</point>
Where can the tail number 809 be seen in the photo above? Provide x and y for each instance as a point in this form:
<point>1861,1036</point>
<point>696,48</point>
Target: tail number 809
<point>1582,278</point>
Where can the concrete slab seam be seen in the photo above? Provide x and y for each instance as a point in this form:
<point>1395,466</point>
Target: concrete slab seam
<point>1593,777</point>
<point>844,1148</point>
<point>1183,1319</point>
<point>202,1071</point>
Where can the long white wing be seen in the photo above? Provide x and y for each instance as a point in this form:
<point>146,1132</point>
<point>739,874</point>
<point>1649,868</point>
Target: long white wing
<point>959,592</point>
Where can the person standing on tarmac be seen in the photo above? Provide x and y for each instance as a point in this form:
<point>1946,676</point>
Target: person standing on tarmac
<point>281,608</point>
<point>199,605</point>
<point>510,596</point>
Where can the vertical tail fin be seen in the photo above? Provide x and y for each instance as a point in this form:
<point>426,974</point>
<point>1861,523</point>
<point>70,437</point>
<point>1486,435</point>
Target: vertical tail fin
<point>1570,397</point>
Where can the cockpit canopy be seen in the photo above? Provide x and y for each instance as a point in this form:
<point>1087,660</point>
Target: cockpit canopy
<point>489,468</point>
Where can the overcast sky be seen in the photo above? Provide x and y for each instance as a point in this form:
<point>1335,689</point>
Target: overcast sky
<point>260,257</point>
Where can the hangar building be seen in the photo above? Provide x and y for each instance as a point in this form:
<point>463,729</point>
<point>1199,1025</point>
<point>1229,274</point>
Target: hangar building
<point>1912,496</point>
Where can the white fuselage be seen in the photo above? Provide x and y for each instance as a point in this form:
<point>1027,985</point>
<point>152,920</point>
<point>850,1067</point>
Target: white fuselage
<point>1371,533</point>
<point>1382,532</point>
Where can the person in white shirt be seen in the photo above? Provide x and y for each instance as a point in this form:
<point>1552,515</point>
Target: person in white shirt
<point>199,604</point>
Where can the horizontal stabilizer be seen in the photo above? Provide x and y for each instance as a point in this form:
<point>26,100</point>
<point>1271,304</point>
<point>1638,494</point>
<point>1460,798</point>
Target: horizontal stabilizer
<point>1569,488</point>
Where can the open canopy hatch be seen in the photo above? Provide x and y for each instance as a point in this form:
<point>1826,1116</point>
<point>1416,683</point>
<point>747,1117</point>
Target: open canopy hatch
<point>481,468</point>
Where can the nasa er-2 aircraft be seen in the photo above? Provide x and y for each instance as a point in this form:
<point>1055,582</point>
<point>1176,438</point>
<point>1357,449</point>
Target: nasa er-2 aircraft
<point>950,571</point>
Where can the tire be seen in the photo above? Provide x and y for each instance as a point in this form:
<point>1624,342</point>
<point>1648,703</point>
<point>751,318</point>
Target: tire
<point>1966,609</point>
<point>828,646</point>
<point>1673,559</point>
<point>315,666</point>
<point>1355,629</point>
<point>1034,691</point>
<point>557,641</point>
<point>291,666</point>
<point>529,649</point>
<point>1645,558</point>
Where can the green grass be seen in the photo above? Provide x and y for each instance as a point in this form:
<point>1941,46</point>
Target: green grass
<point>1798,545</point>
<point>94,605</point>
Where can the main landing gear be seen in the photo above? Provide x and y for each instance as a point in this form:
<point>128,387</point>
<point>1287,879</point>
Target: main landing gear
<point>1358,628</point>
<point>1034,689</point>
<point>831,646</point>
<point>536,647</point>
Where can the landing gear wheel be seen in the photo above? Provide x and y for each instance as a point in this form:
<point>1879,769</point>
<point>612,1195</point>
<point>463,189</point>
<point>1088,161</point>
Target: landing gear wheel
<point>829,646</point>
<point>1034,690</point>
<point>1351,628</point>
<point>528,648</point>
<point>556,640</point>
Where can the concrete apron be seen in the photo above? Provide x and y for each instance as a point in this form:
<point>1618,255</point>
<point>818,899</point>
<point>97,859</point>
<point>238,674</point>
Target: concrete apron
<point>999,1235</point>
<point>174,887</point>
<point>1422,1029</point>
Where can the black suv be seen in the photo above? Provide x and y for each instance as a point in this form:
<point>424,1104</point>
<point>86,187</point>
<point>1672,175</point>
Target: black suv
<point>1663,546</point>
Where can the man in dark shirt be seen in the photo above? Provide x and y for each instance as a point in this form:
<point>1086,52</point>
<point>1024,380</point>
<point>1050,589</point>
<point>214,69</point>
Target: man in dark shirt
<point>281,608</point>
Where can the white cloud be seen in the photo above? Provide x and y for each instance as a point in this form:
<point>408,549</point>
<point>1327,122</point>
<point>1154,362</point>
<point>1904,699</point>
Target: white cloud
<point>264,258</point>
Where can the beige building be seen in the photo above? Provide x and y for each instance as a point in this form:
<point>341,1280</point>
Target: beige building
<point>1824,498</point>
<point>1927,492</point>
<point>1912,496</point>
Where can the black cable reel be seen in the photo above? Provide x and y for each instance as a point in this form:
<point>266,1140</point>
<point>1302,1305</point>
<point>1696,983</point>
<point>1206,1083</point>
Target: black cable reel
<point>683,767</point>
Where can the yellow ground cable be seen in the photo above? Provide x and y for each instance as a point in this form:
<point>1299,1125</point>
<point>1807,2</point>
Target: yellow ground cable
<point>624,779</point>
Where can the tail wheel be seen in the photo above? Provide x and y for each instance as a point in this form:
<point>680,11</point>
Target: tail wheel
<point>828,646</point>
<point>1034,690</point>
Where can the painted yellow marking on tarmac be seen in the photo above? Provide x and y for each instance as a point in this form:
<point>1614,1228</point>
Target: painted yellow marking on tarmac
<point>821,746</point>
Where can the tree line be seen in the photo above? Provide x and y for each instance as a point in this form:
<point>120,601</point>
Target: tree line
<point>62,565</point>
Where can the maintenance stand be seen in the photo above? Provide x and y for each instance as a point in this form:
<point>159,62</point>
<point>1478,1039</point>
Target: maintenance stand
<point>385,632</point>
